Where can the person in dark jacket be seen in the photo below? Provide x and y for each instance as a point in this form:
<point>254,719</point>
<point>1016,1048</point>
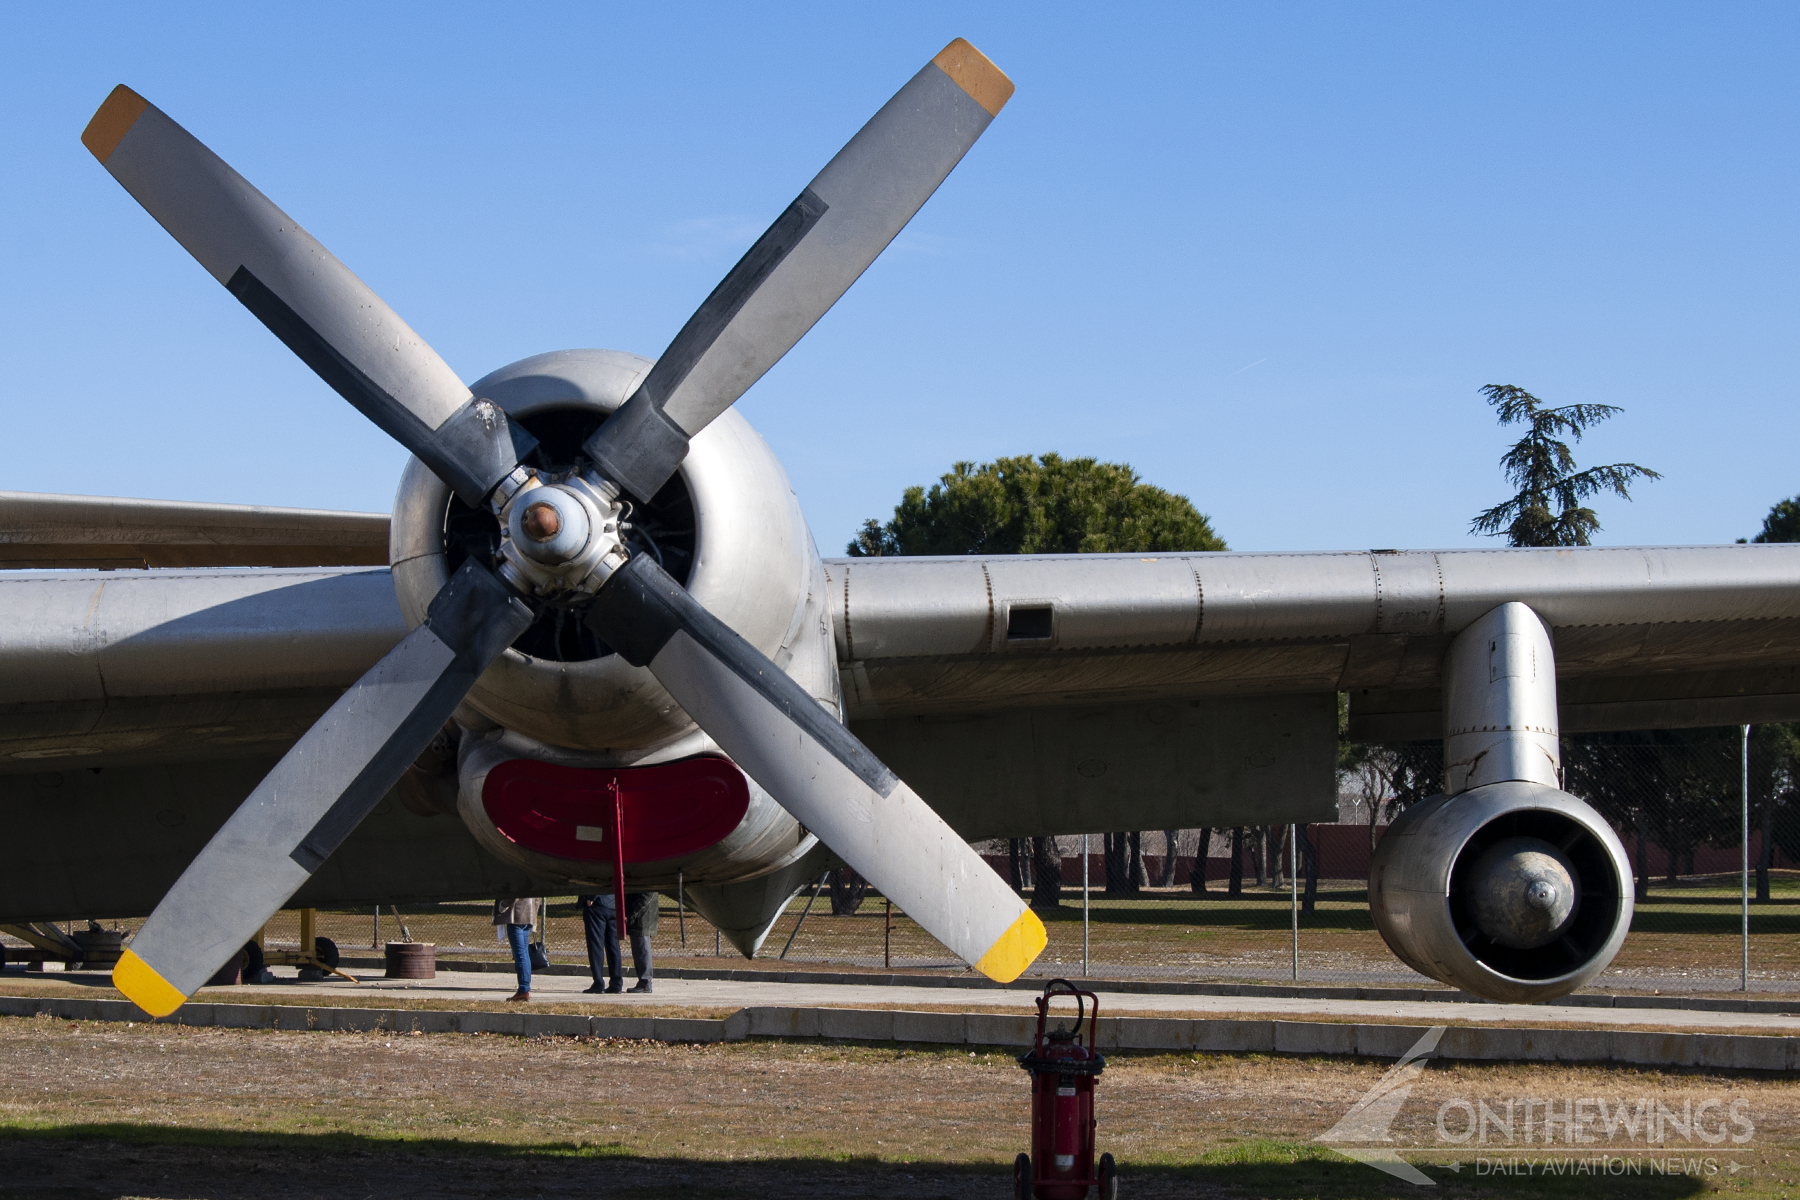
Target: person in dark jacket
<point>602,929</point>
<point>518,916</point>
<point>603,936</point>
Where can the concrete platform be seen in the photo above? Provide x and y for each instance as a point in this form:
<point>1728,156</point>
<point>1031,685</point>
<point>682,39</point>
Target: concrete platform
<point>1012,1030</point>
<point>989,1017</point>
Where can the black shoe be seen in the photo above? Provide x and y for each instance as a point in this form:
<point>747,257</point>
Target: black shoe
<point>617,985</point>
<point>596,990</point>
<point>643,985</point>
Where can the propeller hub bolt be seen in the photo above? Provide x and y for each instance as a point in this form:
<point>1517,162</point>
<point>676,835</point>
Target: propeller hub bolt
<point>541,522</point>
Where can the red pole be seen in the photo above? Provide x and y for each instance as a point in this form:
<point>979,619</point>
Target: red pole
<point>618,839</point>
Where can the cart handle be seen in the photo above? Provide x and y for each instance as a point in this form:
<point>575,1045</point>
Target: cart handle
<point>1081,1013</point>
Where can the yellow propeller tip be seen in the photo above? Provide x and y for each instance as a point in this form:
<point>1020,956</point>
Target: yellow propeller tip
<point>112,121</point>
<point>975,73</point>
<point>144,987</point>
<point>1015,950</point>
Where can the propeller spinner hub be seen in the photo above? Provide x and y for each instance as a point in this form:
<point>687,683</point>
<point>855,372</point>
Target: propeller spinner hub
<point>559,537</point>
<point>541,523</point>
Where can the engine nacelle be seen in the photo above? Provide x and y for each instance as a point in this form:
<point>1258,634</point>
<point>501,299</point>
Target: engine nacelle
<point>728,525</point>
<point>696,816</point>
<point>1514,891</point>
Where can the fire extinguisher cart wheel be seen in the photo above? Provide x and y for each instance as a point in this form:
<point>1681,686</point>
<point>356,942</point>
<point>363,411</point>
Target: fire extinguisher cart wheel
<point>1063,1073</point>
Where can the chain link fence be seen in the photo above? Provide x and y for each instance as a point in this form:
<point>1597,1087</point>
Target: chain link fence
<point>1224,904</point>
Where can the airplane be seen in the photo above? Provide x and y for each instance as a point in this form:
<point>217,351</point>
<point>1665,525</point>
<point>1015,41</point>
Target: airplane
<point>595,646</point>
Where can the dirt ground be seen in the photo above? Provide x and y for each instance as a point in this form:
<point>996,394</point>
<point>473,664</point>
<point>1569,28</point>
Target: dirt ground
<point>102,1110</point>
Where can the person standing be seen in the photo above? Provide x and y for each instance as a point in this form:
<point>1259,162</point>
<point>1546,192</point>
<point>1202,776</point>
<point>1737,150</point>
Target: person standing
<point>599,922</point>
<point>518,916</point>
<point>640,922</point>
<point>603,935</point>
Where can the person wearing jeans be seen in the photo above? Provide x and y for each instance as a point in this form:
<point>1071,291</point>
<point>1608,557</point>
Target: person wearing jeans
<point>518,916</point>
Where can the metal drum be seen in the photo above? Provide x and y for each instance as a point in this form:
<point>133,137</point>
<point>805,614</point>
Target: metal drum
<point>412,960</point>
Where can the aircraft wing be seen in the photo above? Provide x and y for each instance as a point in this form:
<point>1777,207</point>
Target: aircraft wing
<point>106,668</point>
<point>140,707</point>
<point>40,531</point>
<point>1056,693</point>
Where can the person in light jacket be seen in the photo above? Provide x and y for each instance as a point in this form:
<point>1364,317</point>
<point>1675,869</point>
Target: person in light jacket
<point>518,916</point>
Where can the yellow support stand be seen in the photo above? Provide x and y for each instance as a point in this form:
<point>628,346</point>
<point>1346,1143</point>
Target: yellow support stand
<point>307,955</point>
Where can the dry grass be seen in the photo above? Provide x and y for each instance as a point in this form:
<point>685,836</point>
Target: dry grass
<point>1688,928</point>
<point>95,1109</point>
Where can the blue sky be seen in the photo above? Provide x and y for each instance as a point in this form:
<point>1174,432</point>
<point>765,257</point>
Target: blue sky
<point>1264,253</point>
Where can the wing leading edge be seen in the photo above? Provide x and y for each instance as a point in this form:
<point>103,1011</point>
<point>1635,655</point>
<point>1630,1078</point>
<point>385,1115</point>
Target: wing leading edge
<point>1645,637</point>
<point>40,531</point>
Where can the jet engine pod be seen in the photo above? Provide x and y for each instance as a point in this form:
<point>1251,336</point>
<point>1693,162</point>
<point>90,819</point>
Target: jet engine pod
<point>1513,891</point>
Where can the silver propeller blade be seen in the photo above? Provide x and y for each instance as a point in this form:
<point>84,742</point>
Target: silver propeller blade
<point>307,298</point>
<point>319,792</point>
<point>797,270</point>
<point>817,769</point>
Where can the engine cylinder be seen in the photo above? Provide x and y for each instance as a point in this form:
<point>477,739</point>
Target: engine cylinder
<point>1514,891</point>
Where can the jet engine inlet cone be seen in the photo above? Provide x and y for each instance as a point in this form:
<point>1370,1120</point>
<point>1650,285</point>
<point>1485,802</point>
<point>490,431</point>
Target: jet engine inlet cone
<point>1523,891</point>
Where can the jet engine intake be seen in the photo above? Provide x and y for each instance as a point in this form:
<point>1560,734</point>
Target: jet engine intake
<point>1514,891</point>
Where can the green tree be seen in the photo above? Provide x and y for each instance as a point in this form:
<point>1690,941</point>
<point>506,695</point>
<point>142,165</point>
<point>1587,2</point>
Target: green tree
<point>1547,510</point>
<point>1783,522</point>
<point>1042,505</point>
<point>1038,505</point>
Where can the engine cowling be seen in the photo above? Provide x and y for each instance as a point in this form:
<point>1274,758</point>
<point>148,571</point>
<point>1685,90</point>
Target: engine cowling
<point>727,525</point>
<point>1513,891</point>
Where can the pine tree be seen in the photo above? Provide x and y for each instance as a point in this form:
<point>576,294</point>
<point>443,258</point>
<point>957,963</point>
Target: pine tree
<point>1547,510</point>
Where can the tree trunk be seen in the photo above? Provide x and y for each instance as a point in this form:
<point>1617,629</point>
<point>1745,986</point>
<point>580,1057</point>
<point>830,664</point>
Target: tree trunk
<point>1643,862</point>
<point>1309,853</point>
<point>1765,855</point>
<point>1171,843</point>
<point>1670,846</point>
<point>1046,872</point>
<point>1018,866</point>
<point>1197,876</point>
<point>847,890</point>
<point>1259,852</point>
<point>1116,855</point>
<point>1236,886</point>
<point>1140,876</point>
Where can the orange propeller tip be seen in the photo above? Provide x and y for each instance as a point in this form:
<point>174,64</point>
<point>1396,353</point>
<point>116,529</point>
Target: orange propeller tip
<point>112,121</point>
<point>975,74</point>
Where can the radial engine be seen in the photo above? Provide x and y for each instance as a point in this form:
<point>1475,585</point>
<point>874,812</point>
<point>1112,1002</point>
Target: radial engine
<point>560,717</point>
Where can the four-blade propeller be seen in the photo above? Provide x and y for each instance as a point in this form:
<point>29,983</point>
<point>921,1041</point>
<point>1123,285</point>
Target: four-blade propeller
<point>563,537</point>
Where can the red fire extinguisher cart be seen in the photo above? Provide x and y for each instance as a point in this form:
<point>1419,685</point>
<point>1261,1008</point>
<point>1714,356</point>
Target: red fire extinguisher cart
<point>1063,1073</point>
